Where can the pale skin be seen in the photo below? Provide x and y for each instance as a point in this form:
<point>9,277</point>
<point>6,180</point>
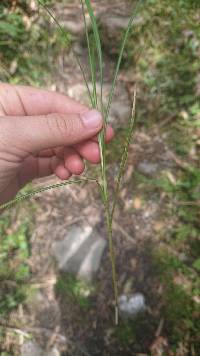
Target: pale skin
<point>44,133</point>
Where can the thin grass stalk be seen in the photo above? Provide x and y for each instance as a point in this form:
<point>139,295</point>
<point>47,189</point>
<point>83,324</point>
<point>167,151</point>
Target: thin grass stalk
<point>100,61</point>
<point>98,46</point>
<point>104,186</point>
<point>91,59</point>
<point>113,264</point>
<point>29,195</point>
<point>110,216</point>
<point>124,155</point>
<point>125,38</point>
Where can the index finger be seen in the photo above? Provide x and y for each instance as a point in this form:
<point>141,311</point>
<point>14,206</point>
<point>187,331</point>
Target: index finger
<point>19,100</point>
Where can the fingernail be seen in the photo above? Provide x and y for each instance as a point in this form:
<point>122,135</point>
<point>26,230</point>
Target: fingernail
<point>92,119</point>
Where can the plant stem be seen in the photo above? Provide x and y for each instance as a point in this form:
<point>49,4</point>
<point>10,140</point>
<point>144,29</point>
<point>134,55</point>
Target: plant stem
<point>124,155</point>
<point>102,147</point>
<point>113,262</point>
<point>22,197</point>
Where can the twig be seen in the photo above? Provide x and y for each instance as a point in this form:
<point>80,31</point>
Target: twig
<point>189,203</point>
<point>160,327</point>
<point>53,337</point>
<point>117,227</point>
<point>178,161</point>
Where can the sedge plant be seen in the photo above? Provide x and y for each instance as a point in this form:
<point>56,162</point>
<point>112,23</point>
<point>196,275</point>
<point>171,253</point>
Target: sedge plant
<point>95,57</point>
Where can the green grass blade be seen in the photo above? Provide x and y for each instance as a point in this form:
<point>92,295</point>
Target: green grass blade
<point>125,38</point>
<point>104,187</point>
<point>26,196</point>
<point>100,64</point>
<point>65,34</point>
<point>124,155</point>
<point>97,44</point>
<point>94,79</point>
<point>91,59</point>
<point>113,263</point>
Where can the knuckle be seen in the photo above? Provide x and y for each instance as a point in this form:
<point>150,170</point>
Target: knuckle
<point>58,125</point>
<point>69,128</point>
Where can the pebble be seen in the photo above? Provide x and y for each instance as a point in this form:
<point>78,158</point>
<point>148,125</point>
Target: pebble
<point>131,306</point>
<point>81,251</point>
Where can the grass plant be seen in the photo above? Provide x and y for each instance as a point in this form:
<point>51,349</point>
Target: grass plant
<point>96,66</point>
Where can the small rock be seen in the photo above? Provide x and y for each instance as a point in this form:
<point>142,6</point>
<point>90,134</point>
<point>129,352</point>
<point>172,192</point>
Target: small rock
<point>115,22</point>
<point>72,20</point>
<point>147,168</point>
<point>80,252</point>
<point>53,352</point>
<point>113,26</point>
<point>31,348</point>
<point>130,307</point>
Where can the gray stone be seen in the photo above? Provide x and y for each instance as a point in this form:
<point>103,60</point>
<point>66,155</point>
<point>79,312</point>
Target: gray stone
<point>148,168</point>
<point>53,352</point>
<point>71,19</point>
<point>131,306</point>
<point>113,26</point>
<point>31,348</point>
<point>117,21</point>
<point>80,252</point>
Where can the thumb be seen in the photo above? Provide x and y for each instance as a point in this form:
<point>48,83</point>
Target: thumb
<point>35,133</point>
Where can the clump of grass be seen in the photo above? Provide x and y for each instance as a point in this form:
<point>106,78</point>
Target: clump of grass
<point>14,272</point>
<point>179,307</point>
<point>78,291</point>
<point>19,39</point>
<point>96,67</point>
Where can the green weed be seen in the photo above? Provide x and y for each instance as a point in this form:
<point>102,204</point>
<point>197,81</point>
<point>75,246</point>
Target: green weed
<point>78,291</point>
<point>179,307</point>
<point>19,39</point>
<point>167,71</point>
<point>14,271</point>
<point>126,332</point>
<point>182,209</point>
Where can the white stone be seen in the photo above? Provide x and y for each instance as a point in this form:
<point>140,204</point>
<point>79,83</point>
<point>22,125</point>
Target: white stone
<point>80,252</point>
<point>131,306</point>
<point>31,348</point>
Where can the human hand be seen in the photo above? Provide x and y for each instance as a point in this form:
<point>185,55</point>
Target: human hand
<point>43,133</point>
